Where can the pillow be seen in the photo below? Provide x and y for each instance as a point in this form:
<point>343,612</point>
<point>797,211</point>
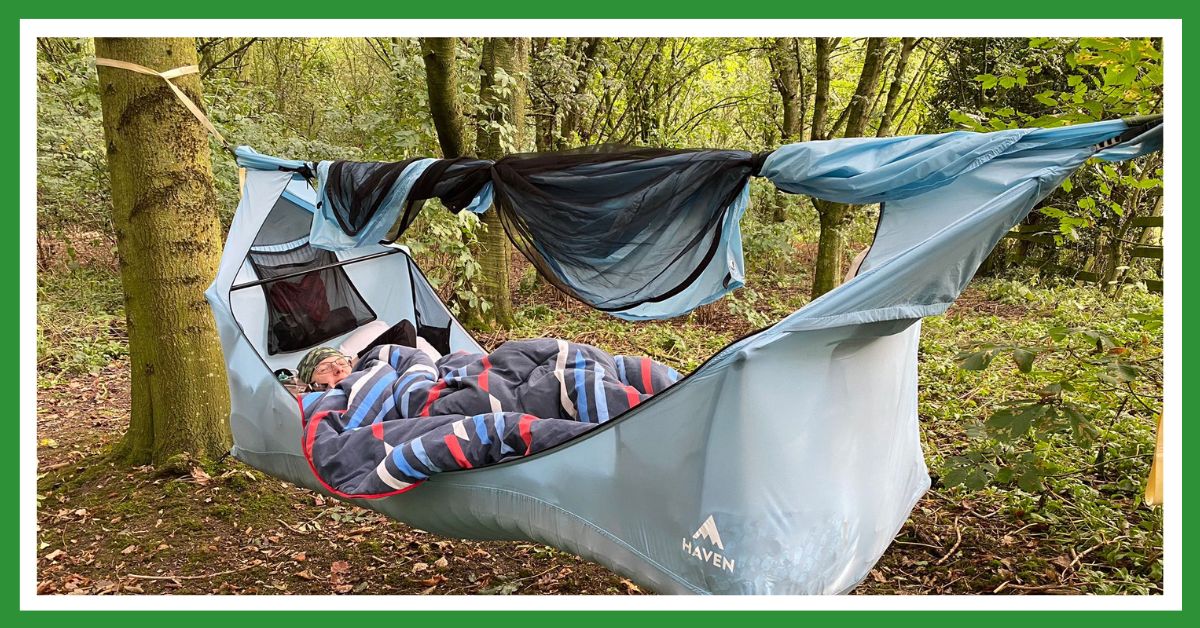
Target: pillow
<point>424,346</point>
<point>357,341</point>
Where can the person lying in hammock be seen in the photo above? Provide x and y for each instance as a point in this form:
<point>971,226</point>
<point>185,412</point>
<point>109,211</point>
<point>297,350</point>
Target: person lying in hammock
<point>322,368</point>
<point>474,409</point>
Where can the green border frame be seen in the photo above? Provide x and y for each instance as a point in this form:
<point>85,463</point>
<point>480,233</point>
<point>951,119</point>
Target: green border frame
<point>536,9</point>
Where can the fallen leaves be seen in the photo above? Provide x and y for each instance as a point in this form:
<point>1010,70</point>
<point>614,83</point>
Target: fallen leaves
<point>200,476</point>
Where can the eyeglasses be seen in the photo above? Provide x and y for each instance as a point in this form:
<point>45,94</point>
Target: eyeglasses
<point>327,367</point>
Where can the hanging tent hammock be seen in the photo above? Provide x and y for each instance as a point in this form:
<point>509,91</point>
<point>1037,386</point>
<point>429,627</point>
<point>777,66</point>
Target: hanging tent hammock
<point>785,464</point>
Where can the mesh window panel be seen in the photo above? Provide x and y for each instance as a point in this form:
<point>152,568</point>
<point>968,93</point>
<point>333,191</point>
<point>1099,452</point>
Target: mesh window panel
<point>306,309</point>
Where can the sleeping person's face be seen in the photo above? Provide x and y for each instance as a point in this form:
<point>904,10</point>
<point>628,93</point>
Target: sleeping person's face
<point>330,372</point>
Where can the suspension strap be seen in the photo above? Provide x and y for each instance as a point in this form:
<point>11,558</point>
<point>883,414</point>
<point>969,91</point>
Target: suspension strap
<point>167,76</point>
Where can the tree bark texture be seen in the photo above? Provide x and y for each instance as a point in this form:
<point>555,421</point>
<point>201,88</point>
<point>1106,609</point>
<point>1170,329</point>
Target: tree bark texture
<point>786,65</point>
<point>836,216</point>
<point>893,95</point>
<point>501,131</point>
<point>441,81</point>
<point>169,244</point>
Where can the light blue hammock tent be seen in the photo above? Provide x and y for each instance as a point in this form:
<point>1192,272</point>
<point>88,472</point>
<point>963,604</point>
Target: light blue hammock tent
<point>785,464</point>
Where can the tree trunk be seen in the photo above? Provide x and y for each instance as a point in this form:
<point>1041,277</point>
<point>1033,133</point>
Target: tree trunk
<point>823,47</point>
<point>168,242</point>
<point>835,216</point>
<point>441,81</point>
<point>831,246</point>
<point>573,109</point>
<point>893,94</point>
<point>787,82</point>
<point>501,131</point>
<point>859,110</point>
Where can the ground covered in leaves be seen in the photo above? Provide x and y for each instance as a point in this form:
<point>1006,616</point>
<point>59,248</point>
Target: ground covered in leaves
<point>227,528</point>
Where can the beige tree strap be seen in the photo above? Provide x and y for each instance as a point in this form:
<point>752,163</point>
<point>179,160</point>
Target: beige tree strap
<point>167,76</point>
<point>1154,488</point>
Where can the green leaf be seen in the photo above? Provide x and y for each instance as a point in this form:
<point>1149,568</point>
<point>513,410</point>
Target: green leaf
<point>1014,422</point>
<point>956,476</point>
<point>1124,372</point>
<point>987,81</point>
<point>1030,480</point>
<point>1007,82</point>
<point>976,361</point>
<point>1081,428</point>
<point>1046,99</point>
<point>1074,80</point>
<point>1024,359</point>
<point>975,480</point>
<point>1121,75</point>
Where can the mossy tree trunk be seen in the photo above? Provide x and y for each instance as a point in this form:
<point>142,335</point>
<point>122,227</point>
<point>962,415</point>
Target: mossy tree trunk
<point>504,67</point>
<point>441,81</point>
<point>836,216</point>
<point>788,78</point>
<point>168,242</point>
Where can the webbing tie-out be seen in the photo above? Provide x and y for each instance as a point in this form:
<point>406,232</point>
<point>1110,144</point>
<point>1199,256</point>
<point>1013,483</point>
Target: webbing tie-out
<point>167,76</point>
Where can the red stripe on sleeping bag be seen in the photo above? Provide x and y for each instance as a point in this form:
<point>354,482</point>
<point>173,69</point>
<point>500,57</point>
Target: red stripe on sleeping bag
<point>434,393</point>
<point>483,376</point>
<point>310,437</point>
<point>377,429</point>
<point>455,450</point>
<point>525,426</point>
<point>633,396</point>
<point>646,376</point>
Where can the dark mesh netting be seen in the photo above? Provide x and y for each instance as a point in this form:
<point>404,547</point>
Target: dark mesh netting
<point>357,189</point>
<point>454,182</point>
<point>615,227</point>
<point>305,309</point>
<point>619,228</point>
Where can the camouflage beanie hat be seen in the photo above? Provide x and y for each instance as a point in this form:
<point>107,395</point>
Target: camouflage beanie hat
<point>312,359</point>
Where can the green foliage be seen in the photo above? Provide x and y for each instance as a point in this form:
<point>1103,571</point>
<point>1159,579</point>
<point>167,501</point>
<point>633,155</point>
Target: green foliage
<point>72,169</point>
<point>81,322</point>
<point>1051,82</point>
<point>443,250</point>
<point>1094,377</point>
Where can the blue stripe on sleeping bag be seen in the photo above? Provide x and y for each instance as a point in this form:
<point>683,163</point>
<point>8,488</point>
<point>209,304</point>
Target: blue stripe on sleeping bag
<point>360,412</point>
<point>673,374</point>
<point>581,402</point>
<point>620,360</point>
<point>404,411</point>
<point>402,464</point>
<point>499,419</point>
<point>601,399</point>
<point>481,428</point>
<point>307,400</point>
<point>394,359</point>
<point>389,404</point>
<point>419,451</point>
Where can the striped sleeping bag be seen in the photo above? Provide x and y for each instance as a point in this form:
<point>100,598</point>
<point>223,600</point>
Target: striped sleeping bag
<point>400,417</point>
